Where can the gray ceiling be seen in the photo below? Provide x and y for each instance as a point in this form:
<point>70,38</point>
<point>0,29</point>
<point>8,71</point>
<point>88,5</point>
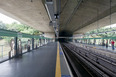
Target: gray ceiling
<point>77,14</point>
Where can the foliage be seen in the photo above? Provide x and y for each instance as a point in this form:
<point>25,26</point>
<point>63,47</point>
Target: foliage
<point>22,28</point>
<point>19,28</point>
<point>103,32</point>
<point>2,25</point>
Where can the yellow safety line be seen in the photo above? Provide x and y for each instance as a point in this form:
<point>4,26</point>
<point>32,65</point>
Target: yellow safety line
<point>58,68</point>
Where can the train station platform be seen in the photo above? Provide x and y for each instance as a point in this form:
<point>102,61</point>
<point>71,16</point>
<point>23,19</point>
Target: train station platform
<point>98,49</point>
<point>102,48</point>
<point>43,62</point>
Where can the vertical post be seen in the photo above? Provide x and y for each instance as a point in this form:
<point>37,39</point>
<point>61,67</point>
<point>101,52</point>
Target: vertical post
<point>16,49</point>
<point>102,42</point>
<point>2,50</point>
<point>94,41</point>
<point>89,41</point>
<point>39,42</point>
<point>32,43</point>
<point>43,41</point>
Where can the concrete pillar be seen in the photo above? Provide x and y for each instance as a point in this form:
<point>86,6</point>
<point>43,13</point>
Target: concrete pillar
<point>16,48</point>
<point>103,44</point>
<point>32,43</point>
<point>94,41</point>
<point>44,41</point>
<point>39,43</point>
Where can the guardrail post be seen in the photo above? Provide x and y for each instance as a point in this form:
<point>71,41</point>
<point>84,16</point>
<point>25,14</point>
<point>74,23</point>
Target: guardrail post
<point>16,49</point>
<point>32,43</point>
<point>2,50</point>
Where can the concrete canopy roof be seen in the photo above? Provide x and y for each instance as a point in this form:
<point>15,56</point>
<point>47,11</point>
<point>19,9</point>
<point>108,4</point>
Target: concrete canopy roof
<point>75,16</point>
<point>30,13</point>
<point>81,18</point>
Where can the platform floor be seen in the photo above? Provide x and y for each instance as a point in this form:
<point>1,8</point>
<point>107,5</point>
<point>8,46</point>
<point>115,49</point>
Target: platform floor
<point>99,49</point>
<point>38,63</point>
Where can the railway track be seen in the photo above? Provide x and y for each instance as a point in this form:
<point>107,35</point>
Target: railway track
<point>84,63</point>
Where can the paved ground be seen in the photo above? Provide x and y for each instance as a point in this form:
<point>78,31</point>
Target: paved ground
<point>38,63</point>
<point>99,49</point>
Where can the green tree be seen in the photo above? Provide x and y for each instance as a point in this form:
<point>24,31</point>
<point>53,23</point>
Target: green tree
<point>22,28</point>
<point>2,25</point>
<point>103,32</point>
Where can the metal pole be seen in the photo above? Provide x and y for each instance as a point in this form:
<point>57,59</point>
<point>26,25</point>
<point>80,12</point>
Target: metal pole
<point>40,41</point>
<point>2,50</point>
<point>16,50</point>
<point>32,43</point>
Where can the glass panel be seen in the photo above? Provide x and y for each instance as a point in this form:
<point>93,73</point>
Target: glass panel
<point>7,45</point>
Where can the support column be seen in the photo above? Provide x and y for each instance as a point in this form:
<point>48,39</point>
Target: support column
<point>40,41</point>
<point>103,42</point>
<point>16,48</point>
<point>94,41</point>
<point>32,43</point>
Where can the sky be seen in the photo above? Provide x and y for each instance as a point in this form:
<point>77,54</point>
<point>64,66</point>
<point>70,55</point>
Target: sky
<point>7,19</point>
<point>113,25</point>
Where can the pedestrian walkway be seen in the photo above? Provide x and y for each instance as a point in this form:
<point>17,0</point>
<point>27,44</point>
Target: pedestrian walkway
<point>38,63</point>
<point>42,62</point>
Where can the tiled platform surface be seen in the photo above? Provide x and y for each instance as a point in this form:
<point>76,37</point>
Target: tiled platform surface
<point>38,63</point>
